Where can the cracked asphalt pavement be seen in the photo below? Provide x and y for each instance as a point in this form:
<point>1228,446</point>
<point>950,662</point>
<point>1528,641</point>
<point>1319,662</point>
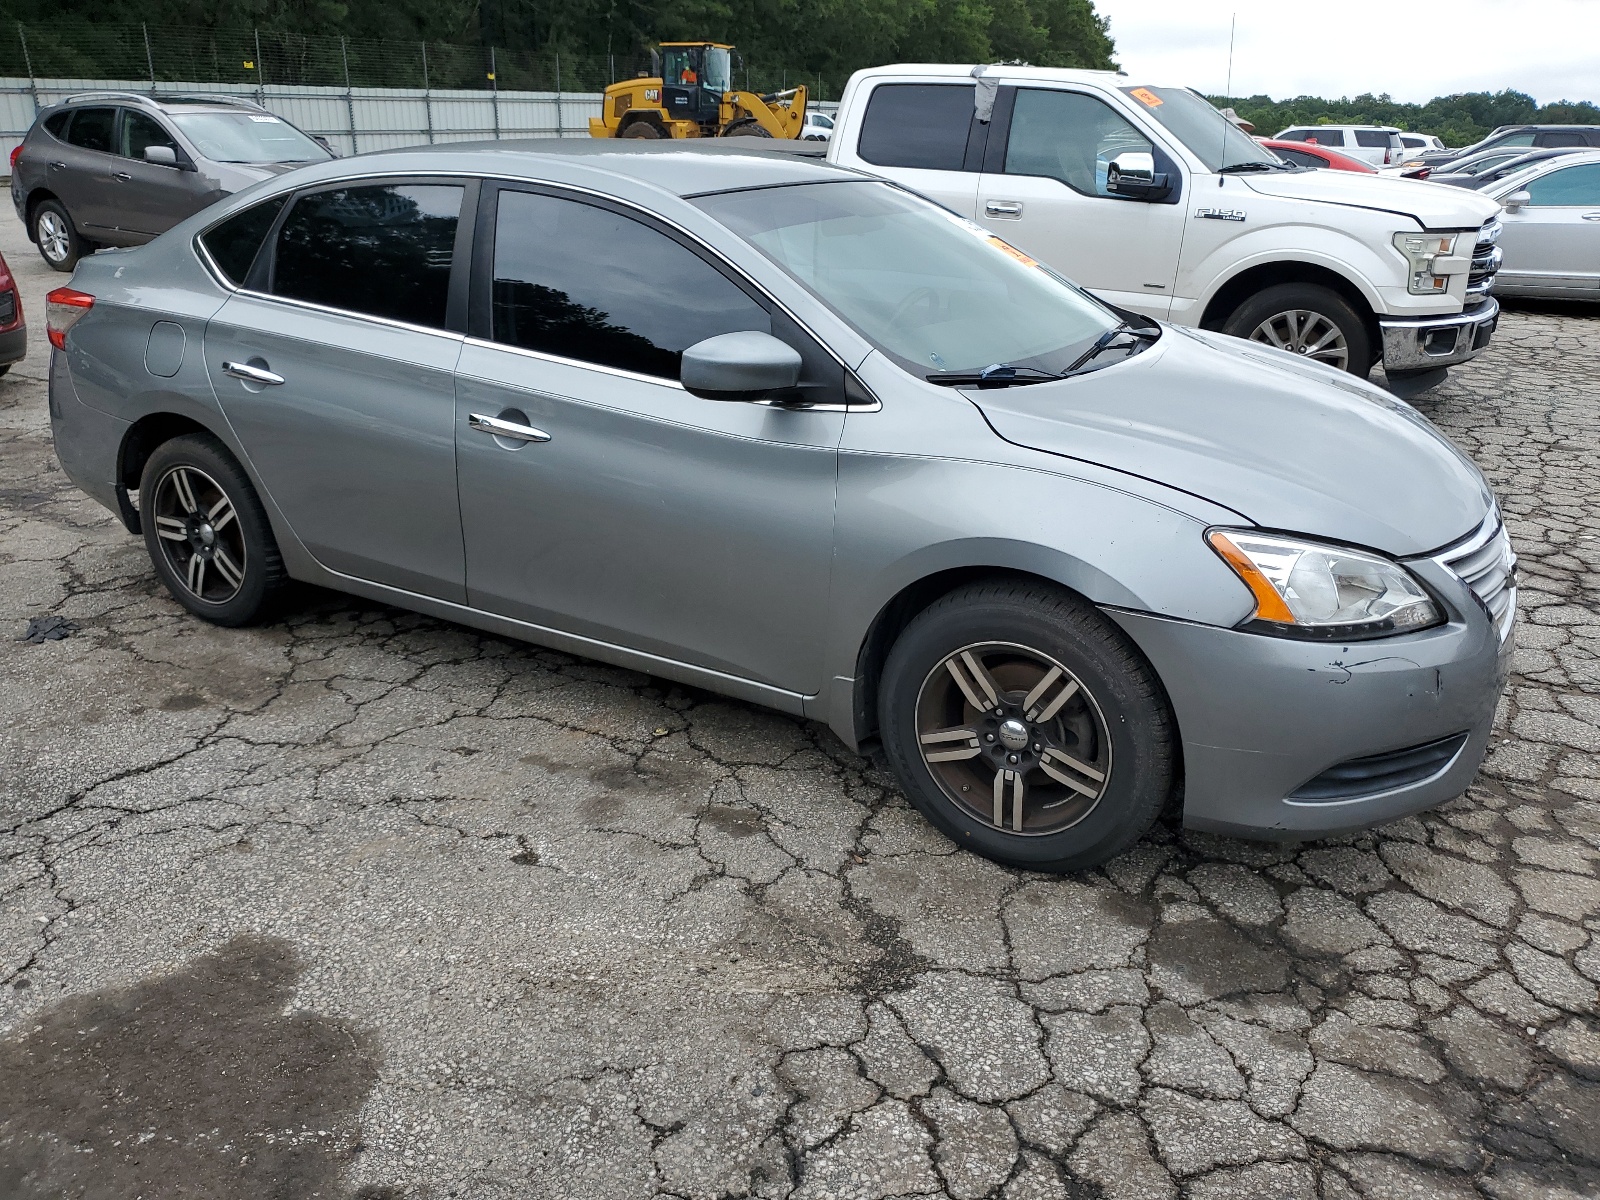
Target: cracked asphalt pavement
<point>362,904</point>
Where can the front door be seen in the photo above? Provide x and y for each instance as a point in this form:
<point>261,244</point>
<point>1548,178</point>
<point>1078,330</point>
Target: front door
<point>1553,242</point>
<point>151,197</point>
<point>339,380</point>
<point>1044,191</point>
<point>627,510</point>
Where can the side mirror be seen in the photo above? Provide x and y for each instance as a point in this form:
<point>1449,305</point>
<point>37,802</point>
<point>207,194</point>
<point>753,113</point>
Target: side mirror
<point>165,155</point>
<point>739,366</point>
<point>1516,201</point>
<point>1133,174</point>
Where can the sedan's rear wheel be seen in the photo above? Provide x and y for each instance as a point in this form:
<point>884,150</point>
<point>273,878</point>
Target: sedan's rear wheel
<point>1026,727</point>
<point>206,532</point>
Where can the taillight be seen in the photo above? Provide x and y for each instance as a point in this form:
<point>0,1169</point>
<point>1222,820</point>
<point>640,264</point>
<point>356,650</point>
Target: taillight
<point>1386,159</point>
<point>16,153</point>
<point>64,308</point>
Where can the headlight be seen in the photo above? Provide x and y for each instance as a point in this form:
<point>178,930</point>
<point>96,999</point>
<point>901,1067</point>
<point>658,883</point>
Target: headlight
<point>1311,590</point>
<point>1429,254</point>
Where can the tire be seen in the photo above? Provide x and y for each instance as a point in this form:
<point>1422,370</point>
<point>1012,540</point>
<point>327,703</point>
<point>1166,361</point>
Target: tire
<point>56,236</point>
<point>1297,316</point>
<point>225,568</point>
<point>1096,751</point>
<point>642,129</point>
<point>749,127</point>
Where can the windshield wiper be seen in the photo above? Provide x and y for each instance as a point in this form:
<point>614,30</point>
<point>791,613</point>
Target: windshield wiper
<point>997,375</point>
<point>1255,164</point>
<point>1105,340</point>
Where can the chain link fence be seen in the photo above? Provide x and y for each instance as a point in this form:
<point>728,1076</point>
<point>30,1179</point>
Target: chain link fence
<point>360,95</point>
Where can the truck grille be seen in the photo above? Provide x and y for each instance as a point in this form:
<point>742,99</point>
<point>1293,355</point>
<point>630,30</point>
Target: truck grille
<point>1380,772</point>
<point>1485,261</point>
<point>1485,562</point>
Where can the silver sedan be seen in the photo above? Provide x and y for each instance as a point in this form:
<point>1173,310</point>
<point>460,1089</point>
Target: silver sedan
<point>1550,235</point>
<point>781,431</point>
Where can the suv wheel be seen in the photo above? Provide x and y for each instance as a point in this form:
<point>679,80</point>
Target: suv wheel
<point>1026,727</point>
<point>59,243</point>
<point>1309,320</point>
<point>207,533</point>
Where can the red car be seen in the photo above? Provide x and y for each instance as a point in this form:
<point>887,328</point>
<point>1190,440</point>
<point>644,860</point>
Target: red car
<point>1309,154</point>
<point>13,332</point>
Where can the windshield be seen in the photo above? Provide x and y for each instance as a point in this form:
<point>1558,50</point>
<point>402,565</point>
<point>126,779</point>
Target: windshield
<point>237,137</point>
<point>1214,139</point>
<point>934,292</point>
<point>719,70</point>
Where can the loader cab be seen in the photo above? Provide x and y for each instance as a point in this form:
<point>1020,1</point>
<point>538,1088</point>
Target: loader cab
<point>694,76</point>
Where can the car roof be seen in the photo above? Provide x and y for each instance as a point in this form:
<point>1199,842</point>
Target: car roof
<point>678,167</point>
<point>1555,162</point>
<point>963,71</point>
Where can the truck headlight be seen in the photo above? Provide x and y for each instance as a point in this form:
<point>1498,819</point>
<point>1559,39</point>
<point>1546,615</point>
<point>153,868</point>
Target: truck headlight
<point>1432,261</point>
<point>1313,590</point>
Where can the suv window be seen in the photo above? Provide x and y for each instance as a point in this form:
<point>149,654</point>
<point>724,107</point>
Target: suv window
<point>1573,186</point>
<point>1561,137</point>
<point>91,128</point>
<point>1517,139</point>
<point>1412,143</point>
<point>234,243</point>
<point>56,123</point>
<point>1324,137</point>
<point>585,282</point>
<point>140,130</point>
<point>917,125</point>
<point>1373,139</point>
<point>384,250</point>
<point>1070,137</point>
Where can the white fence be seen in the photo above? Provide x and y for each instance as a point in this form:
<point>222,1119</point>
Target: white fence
<point>354,120</point>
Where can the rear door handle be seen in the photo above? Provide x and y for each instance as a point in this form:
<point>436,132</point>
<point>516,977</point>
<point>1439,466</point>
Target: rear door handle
<point>1591,216</point>
<point>58,166</point>
<point>122,175</point>
<point>251,374</point>
<point>506,429</point>
<point>1003,208</point>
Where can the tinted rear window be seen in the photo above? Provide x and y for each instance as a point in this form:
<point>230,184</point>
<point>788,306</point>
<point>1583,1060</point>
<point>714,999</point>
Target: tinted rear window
<point>91,128</point>
<point>917,125</point>
<point>56,123</point>
<point>1374,139</point>
<point>1323,137</point>
<point>233,245</point>
<point>384,250</point>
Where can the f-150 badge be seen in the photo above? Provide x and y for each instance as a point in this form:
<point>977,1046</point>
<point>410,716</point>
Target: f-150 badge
<point>1220,214</point>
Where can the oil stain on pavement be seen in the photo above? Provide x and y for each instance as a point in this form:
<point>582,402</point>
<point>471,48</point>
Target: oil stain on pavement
<point>193,1084</point>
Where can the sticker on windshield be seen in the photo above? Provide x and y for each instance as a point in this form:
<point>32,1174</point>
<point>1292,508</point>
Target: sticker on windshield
<point>264,120</point>
<point>1146,97</point>
<point>1013,251</point>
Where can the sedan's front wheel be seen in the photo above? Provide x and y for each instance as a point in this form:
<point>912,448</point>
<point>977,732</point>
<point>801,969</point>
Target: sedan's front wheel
<point>1026,727</point>
<point>207,533</point>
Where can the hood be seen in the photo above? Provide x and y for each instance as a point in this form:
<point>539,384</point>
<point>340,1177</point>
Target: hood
<point>1436,207</point>
<point>1287,444</point>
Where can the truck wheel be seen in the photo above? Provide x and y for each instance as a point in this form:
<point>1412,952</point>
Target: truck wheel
<point>1306,319</point>
<point>1026,727</point>
<point>641,129</point>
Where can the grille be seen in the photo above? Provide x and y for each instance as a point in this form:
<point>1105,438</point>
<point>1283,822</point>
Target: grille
<point>1486,258</point>
<point>1381,772</point>
<point>1485,562</point>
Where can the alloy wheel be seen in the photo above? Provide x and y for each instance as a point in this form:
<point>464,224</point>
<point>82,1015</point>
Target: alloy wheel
<point>1014,737</point>
<point>200,534</point>
<point>1301,331</point>
<point>55,240</point>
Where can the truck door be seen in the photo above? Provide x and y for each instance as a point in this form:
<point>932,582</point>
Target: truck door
<point>1044,188</point>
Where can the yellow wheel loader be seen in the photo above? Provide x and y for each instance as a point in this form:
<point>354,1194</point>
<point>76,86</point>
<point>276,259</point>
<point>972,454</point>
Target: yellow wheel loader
<point>693,97</point>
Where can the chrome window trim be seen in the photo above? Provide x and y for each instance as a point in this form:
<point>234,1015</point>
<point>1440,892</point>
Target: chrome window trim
<point>216,272</point>
<point>1491,530</point>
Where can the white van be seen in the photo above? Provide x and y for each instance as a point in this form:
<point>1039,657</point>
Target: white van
<point>1379,145</point>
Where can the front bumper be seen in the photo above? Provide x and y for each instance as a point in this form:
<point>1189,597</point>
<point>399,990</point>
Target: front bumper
<point>1261,717</point>
<point>1427,343</point>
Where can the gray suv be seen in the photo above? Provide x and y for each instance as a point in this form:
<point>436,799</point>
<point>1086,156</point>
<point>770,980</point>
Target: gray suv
<point>115,168</point>
<point>782,431</point>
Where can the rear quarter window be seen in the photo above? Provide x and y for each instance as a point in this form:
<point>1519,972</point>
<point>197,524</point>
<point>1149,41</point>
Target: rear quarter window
<point>917,125</point>
<point>56,123</point>
<point>234,244</point>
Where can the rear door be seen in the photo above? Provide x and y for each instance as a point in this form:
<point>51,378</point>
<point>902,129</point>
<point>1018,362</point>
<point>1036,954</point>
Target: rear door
<point>1044,190</point>
<point>81,167</point>
<point>925,136</point>
<point>335,366</point>
<point>1553,242</point>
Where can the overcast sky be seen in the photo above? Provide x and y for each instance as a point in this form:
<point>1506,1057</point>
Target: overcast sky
<point>1412,49</point>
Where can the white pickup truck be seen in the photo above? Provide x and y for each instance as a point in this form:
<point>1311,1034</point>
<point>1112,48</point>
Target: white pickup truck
<point>1153,200</point>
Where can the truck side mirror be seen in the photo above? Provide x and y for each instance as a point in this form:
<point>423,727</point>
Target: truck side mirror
<point>1516,201</point>
<point>1133,174</point>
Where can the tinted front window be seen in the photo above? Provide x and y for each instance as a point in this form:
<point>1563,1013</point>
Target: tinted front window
<point>1516,139</point>
<point>1325,137</point>
<point>233,245</point>
<point>917,125</point>
<point>247,137</point>
<point>931,290</point>
<point>1568,187</point>
<point>1301,158</point>
<point>140,130</point>
<point>588,283</point>
<point>91,128</point>
<point>384,250</point>
<point>1070,137</point>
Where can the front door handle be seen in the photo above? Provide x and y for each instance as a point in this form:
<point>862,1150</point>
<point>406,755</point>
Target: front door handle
<point>122,175</point>
<point>251,374</point>
<point>1591,216</point>
<point>1003,208</point>
<point>58,166</point>
<point>507,429</point>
